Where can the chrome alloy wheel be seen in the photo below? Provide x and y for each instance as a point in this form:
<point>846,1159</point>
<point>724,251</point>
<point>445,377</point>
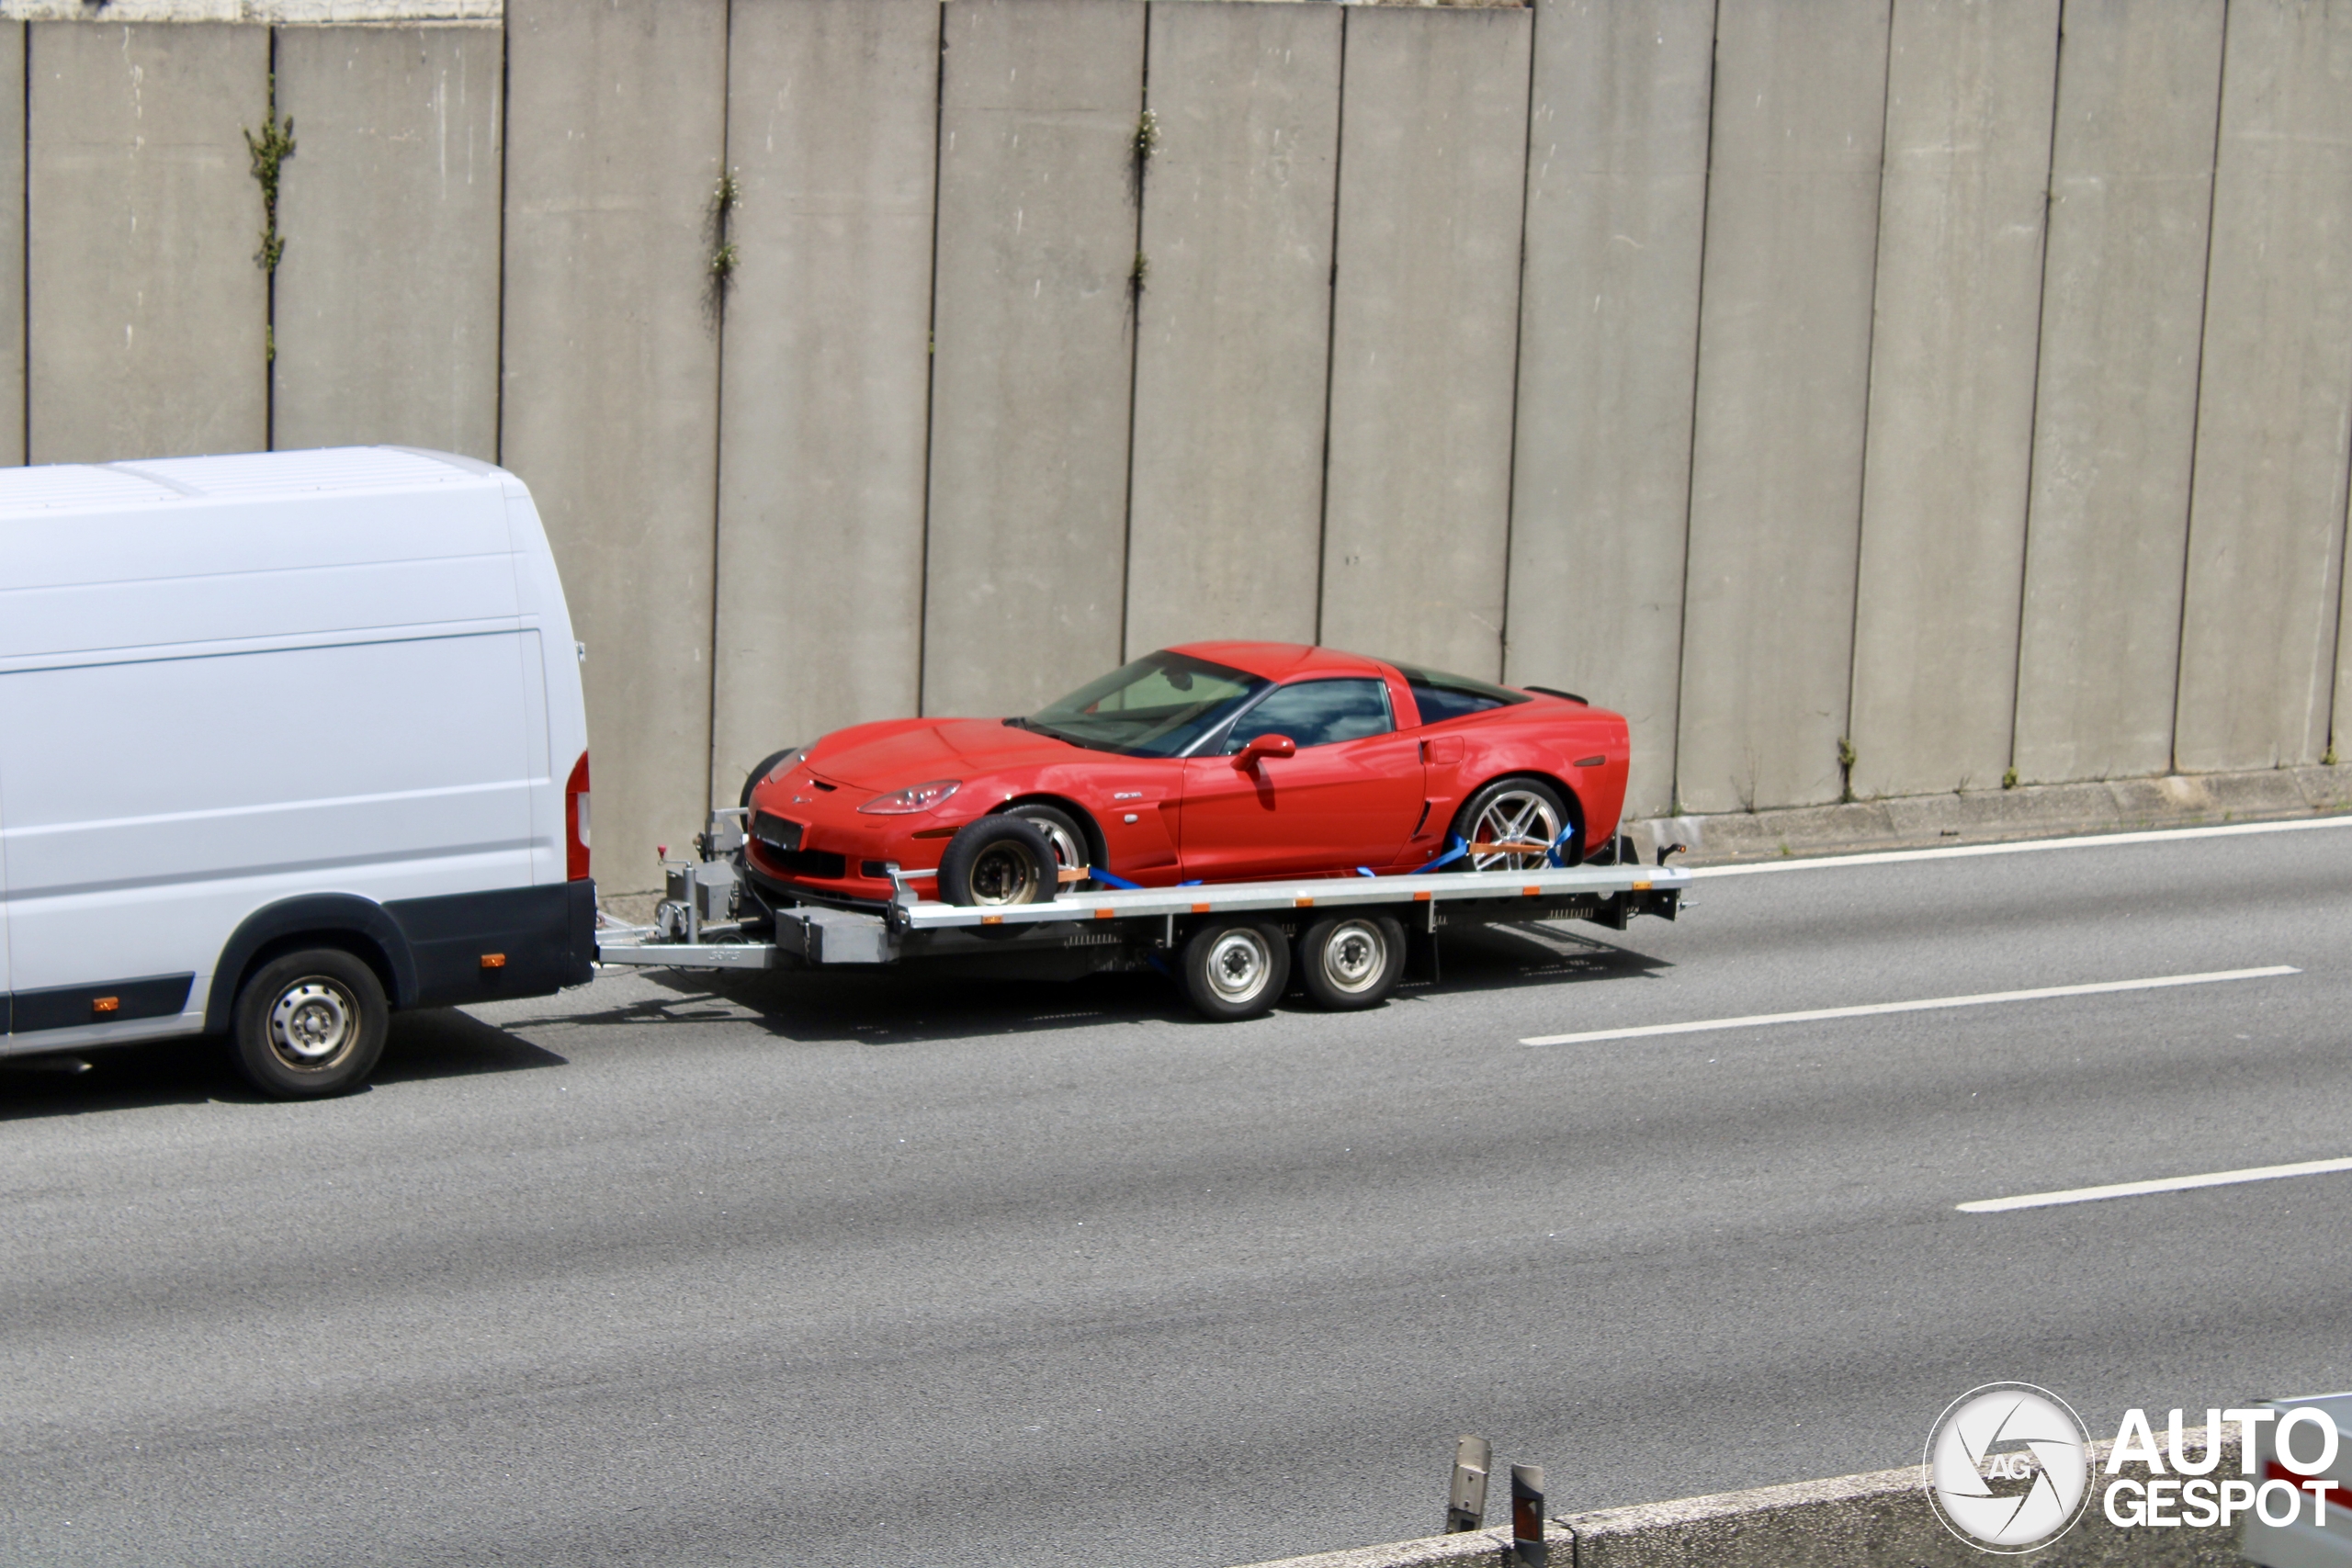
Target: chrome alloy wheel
<point>1070,854</point>
<point>313,1024</point>
<point>1515,817</point>
<point>1239,965</point>
<point>1351,958</point>
<point>1004,874</point>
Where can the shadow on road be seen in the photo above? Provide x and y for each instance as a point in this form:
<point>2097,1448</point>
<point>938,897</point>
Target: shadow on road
<point>906,1005</point>
<point>437,1043</point>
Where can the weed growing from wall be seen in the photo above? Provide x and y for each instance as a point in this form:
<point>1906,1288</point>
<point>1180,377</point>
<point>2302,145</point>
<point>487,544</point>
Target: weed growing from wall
<point>270,151</point>
<point>726,195</point>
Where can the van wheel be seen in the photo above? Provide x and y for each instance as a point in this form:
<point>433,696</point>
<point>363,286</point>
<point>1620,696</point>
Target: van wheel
<point>1351,962</point>
<point>1235,969</point>
<point>308,1024</point>
<point>997,860</point>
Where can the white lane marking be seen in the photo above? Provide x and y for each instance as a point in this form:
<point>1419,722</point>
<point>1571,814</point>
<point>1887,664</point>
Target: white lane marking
<point>2027,846</point>
<point>2170,1184</point>
<point>1870,1009</point>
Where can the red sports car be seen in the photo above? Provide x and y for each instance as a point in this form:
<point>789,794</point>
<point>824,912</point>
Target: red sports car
<point>1217,762</point>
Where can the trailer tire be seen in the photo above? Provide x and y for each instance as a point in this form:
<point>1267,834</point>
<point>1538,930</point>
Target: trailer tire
<point>308,1024</point>
<point>1349,962</point>
<point>1235,969</point>
<point>1000,859</point>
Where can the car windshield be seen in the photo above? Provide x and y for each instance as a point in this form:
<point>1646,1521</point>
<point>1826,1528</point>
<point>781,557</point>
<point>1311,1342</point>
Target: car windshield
<point>1157,707</point>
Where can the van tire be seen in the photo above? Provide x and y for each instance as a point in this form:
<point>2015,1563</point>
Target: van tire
<point>308,1024</point>
<point>1000,859</point>
<point>752,780</point>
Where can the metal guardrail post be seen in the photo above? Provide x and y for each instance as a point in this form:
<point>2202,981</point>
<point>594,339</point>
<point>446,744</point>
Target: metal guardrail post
<point>1527,1515</point>
<point>1466,1503</point>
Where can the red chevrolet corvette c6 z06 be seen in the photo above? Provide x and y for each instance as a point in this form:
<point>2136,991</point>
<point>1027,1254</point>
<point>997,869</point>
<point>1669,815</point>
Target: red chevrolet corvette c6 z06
<point>1216,761</point>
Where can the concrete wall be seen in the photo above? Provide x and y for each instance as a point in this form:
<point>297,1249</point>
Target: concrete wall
<point>615,137</point>
<point>386,315</point>
<point>1970,86</point>
<point>1033,369</point>
<point>1424,335</point>
<point>2115,413</point>
<point>832,127</point>
<point>1608,355</point>
<point>1716,360</point>
<point>2267,510</point>
<point>1784,353</point>
<point>1233,346</point>
<point>148,317</point>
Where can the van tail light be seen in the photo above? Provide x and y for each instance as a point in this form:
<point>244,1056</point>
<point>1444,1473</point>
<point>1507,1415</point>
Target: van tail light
<point>576,822</point>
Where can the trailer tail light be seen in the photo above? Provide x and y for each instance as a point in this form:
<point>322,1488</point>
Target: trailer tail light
<point>576,822</point>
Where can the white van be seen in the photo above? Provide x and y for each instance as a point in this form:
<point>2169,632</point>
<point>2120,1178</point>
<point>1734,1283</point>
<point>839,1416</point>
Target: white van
<point>287,741</point>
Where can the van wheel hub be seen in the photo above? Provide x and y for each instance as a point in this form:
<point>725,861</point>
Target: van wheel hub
<point>313,1022</point>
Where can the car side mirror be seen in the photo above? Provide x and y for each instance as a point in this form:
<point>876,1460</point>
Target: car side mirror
<point>1262,747</point>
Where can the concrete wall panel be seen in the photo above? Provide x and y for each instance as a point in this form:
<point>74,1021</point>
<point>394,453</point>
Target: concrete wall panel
<point>1425,319</point>
<point>2265,521</point>
<point>1233,345</point>
<point>11,247</point>
<point>2124,300</point>
<point>148,318</point>
<point>1969,97</point>
<point>386,307</point>
<point>1783,373</point>
<point>832,116</point>
<point>1032,379</point>
<point>1608,353</point>
<point>614,141</point>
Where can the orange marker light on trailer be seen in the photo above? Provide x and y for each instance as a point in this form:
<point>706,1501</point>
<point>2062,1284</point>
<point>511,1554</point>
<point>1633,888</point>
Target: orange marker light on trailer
<point>493,961</point>
<point>1200,909</point>
<point>106,1004</point>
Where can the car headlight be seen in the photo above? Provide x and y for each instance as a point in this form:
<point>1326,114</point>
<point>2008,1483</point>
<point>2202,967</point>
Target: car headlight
<point>917,798</point>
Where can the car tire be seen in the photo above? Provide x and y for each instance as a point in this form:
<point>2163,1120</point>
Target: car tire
<point>1072,850</point>
<point>998,861</point>
<point>1349,962</point>
<point>752,780</point>
<point>308,1024</point>
<point>1531,802</point>
<point>1235,969</point>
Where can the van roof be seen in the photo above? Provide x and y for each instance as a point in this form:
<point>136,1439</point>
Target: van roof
<point>248,475</point>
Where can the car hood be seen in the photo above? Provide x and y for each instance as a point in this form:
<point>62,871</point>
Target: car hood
<point>899,753</point>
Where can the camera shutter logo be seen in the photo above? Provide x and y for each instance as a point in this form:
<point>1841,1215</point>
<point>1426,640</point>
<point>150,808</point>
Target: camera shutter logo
<point>2042,1442</point>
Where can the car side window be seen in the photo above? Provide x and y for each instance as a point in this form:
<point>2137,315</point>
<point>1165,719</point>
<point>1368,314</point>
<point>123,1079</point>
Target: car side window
<point>1316,713</point>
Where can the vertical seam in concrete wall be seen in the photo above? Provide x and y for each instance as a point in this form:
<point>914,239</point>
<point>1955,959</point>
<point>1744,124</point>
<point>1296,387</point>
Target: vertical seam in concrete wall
<point>1519,338</point>
<point>717,285</point>
<point>2033,404</point>
<point>931,373</point>
<point>269,287</point>
<point>1135,336</point>
<point>1331,321</point>
<point>2197,402</point>
<point>1869,379</point>
<point>498,396</point>
<point>24,245</point>
<point>1690,455</point>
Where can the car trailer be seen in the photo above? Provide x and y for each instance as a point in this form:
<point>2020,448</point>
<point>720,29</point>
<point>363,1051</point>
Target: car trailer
<point>1231,943</point>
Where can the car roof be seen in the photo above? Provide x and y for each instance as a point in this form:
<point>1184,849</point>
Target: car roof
<point>1282,661</point>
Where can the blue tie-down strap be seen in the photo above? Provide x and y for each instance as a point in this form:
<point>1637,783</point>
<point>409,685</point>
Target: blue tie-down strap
<point>1553,854</point>
<point>1365,871</point>
<point>1107,880</point>
<point>1454,850</point>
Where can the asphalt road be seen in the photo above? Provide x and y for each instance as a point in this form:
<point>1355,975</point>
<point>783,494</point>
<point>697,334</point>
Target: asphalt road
<point>815,1270</point>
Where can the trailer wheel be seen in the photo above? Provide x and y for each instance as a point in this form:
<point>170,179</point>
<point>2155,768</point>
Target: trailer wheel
<point>308,1024</point>
<point>996,861</point>
<point>1235,969</point>
<point>1351,962</point>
